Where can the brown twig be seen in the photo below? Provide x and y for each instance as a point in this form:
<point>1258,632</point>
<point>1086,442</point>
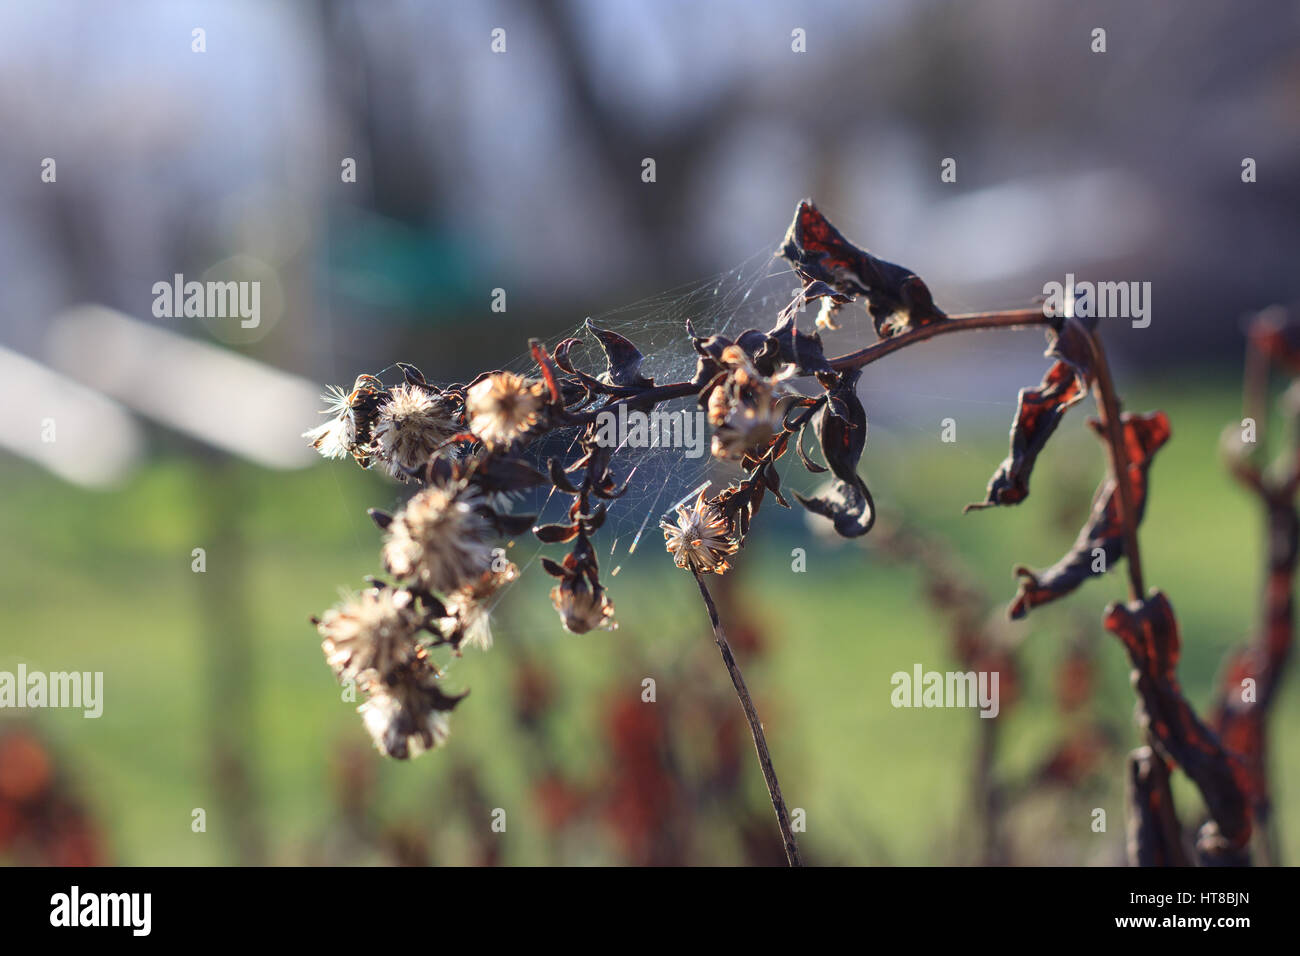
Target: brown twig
<point>1108,408</point>
<point>1016,318</point>
<point>1243,725</point>
<point>1147,765</point>
<point>755,727</point>
<point>974,321</point>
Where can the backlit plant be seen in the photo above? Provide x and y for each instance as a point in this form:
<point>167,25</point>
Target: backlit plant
<point>469,449</point>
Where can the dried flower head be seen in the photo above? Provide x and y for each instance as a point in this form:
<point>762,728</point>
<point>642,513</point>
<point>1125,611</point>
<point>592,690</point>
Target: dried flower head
<point>468,607</point>
<point>583,607</point>
<point>371,636</point>
<point>744,407</point>
<point>502,408</point>
<point>348,430</point>
<point>410,715</point>
<point>410,426</point>
<point>441,538</point>
<point>746,427</point>
<point>701,539</point>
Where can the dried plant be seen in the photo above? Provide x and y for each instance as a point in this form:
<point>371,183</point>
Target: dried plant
<point>1252,674</point>
<point>469,447</point>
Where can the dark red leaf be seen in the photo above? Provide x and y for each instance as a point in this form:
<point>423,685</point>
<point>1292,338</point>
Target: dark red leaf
<point>896,298</point>
<point>1149,632</point>
<point>553,568</point>
<point>1153,835</point>
<point>555,533</point>
<point>550,371</point>
<point>1143,436</point>
<point>1038,412</point>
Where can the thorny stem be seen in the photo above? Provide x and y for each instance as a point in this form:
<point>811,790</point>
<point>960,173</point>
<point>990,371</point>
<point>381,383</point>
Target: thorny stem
<point>755,727</point>
<point>1109,409</point>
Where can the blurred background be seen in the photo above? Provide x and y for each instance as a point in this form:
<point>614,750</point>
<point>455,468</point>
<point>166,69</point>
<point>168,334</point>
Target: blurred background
<point>143,141</point>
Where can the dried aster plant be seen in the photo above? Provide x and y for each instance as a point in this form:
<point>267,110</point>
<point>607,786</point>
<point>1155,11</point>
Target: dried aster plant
<point>468,448</point>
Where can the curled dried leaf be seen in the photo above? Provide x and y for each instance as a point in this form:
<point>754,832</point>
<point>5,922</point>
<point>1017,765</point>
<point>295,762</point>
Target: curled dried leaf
<point>841,428</point>
<point>896,297</point>
<point>1101,542</point>
<point>623,359</point>
<point>1149,631</point>
<point>1038,412</point>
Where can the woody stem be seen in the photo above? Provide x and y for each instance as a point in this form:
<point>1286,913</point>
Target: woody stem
<point>755,727</point>
<point>1108,407</point>
<point>957,323</point>
<point>1016,318</point>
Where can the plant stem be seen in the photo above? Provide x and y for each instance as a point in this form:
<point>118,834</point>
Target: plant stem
<point>1016,318</point>
<point>1108,407</point>
<point>956,323</point>
<point>755,727</point>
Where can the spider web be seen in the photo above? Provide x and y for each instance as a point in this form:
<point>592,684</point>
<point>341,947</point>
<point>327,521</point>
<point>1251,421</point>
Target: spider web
<point>748,295</point>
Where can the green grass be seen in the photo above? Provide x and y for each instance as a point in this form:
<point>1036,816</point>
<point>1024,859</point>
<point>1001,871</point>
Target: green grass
<point>103,581</point>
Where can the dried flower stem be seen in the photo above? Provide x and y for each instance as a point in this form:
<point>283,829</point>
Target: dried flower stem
<point>1016,318</point>
<point>755,727</point>
<point>1108,408</point>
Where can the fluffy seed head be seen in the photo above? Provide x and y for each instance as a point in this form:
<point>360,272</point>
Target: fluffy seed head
<point>581,607</point>
<point>440,539</point>
<point>410,425</point>
<point>402,724</point>
<point>371,636</point>
<point>470,606</point>
<point>701,539</point>
<point>502,408</point>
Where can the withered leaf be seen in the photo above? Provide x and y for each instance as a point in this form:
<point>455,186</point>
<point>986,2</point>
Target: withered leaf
<point>550,371</point>
<point>896,297</point>
<point>503,473</point>
<point>1149,632</point>
<point>555,533</point>
<point>437,700</point>
<point>803,349</point>
<point>1143,436</point>
<point>412,375</point>
<point>1276,334</point>
<point>508,525</point>
<point>847,501</point>
<point>1150,842</point>
<point>559,479</point>
<point>1038,412</point>
<point>623,359</point>
<point>803,455</point>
